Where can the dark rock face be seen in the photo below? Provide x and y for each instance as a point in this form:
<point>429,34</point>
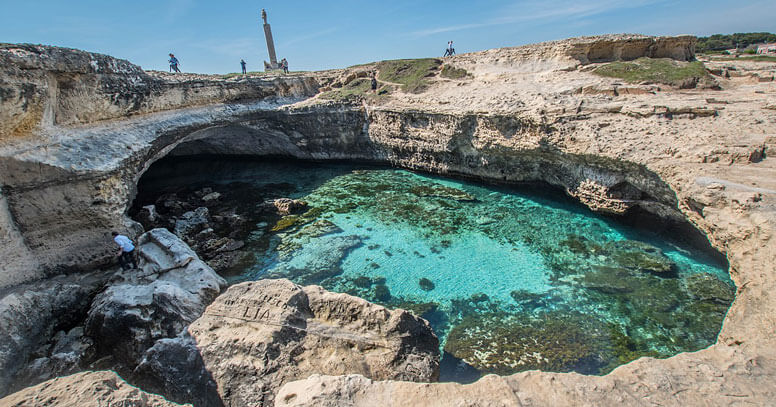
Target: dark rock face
<point>29,316</point>
<point>174,367</point>
<point>172,290</point>
<point>259,335</point>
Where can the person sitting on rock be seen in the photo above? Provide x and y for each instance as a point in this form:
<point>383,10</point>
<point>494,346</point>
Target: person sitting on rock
<point>126,251</point>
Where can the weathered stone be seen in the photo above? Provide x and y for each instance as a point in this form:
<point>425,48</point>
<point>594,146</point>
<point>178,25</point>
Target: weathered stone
<point>259,335</point>
<point>173,289</point>
<point>88,389</point>
<point>59,199</point>
<point>29,316</point>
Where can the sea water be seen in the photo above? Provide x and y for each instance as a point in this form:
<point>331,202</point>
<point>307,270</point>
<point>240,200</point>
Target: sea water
<point>510,279</point>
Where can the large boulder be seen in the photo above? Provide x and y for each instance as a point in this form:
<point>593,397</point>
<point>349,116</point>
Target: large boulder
<point>31,314</point>
<point>172,290</point>
<point>85,389</point>
<point>259,335</point>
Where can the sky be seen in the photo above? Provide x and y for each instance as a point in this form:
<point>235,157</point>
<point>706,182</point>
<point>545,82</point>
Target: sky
<point>212,37</point>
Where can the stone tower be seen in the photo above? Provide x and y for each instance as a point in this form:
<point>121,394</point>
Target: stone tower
<point>273,60</point>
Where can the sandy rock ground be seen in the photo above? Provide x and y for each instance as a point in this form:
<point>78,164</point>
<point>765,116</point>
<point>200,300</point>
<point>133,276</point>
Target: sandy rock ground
<point>85,389</point>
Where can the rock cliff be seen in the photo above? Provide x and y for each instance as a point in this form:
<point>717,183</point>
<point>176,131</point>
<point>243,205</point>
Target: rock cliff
<point>78,130</point>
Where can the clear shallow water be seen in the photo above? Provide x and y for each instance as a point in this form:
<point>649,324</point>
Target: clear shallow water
<point>509,281</point>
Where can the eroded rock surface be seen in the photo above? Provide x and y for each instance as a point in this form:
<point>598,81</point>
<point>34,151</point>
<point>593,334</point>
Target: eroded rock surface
<point>172,290</point>
<point>533,113</point>
<point>259,335</point>
<point>86,389</point>
<point>29,315</point>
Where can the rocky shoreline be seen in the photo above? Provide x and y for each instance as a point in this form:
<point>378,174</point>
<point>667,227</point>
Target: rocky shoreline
<point>71,161</point>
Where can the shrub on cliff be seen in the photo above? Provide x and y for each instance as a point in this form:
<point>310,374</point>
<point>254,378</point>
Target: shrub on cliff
<point>410,73</point>
<point>452,72</point>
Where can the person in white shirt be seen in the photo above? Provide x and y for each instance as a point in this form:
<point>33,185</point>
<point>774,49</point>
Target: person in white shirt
<point>126,251</point>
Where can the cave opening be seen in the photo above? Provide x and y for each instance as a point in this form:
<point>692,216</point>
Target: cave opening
<point>510,277</point>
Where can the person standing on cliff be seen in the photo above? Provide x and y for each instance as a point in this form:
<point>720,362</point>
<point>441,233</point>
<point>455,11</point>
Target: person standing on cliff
<point>126,251</point>
<point>174,63</point>
<point>242,64</point>
<point>284,65</point>
<point>374,82</point>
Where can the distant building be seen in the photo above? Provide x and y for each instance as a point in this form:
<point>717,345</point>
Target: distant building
<point>766,48</point>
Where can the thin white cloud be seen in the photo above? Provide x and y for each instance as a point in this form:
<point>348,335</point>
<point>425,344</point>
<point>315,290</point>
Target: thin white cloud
<point>532,11</point>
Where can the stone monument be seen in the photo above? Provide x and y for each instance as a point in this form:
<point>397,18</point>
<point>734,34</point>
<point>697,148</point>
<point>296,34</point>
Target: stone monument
<point>273,60</point>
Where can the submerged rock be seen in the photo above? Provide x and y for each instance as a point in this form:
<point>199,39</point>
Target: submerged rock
<point>172,290</point>
<point>706,287</point>
<point>426,284</point>
<point>499,343</point>
<point>259,335</point>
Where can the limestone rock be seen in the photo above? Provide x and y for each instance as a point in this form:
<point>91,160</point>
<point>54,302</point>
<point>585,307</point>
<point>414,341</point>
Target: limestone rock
<point>286,206</point>
<point>30,315</point>
<point>259,335</point>
<point>172,290</point>
<point>97,389</point>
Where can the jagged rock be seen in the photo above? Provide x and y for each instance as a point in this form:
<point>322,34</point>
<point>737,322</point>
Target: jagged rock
<point>29,316</point>
<point>191,222</point>
<point>213,196</point>
<point>97,389</point>
<point>174,367</point>
<point>68,353</point>
<point>173,289</point>
<point>286,206</point>
<point>259,335</point>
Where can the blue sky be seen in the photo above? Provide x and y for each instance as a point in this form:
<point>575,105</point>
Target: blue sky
<point>211,37</point>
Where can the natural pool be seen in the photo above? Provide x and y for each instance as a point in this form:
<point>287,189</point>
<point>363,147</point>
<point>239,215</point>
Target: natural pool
<point>510,280</point>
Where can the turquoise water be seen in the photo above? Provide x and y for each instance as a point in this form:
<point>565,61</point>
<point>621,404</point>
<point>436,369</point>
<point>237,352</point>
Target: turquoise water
<point>509,280</point>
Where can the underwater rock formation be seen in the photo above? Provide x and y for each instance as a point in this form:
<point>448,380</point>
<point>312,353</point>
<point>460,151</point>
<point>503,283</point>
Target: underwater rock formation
<point>259,335</point>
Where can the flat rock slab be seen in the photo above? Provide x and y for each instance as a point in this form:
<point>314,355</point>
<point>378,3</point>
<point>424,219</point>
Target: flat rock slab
<point>86,389</point>
<point>259,335</point>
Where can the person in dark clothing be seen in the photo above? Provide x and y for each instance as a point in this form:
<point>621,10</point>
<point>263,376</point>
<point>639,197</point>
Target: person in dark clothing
<point>126,251</point>
<point>374,83</point>
<point>284,65</point>
<point>174,64</point>
<point>450,51</point>
<point>242,64</point>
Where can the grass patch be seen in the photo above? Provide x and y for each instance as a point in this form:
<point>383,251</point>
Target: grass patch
<point>353,90</point>
<point>251,73</point>
<point>452,72</point>
<point>756,58</point>
<point>654,70</point>
<point>410,73</point>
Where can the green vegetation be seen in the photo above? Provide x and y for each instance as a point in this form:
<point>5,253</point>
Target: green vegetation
<point>758,58</point>
<point>718,42</point>
<point>410,73</point>
<point>350,91</point>
<point>659,70</point>
<point>452,72</point>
